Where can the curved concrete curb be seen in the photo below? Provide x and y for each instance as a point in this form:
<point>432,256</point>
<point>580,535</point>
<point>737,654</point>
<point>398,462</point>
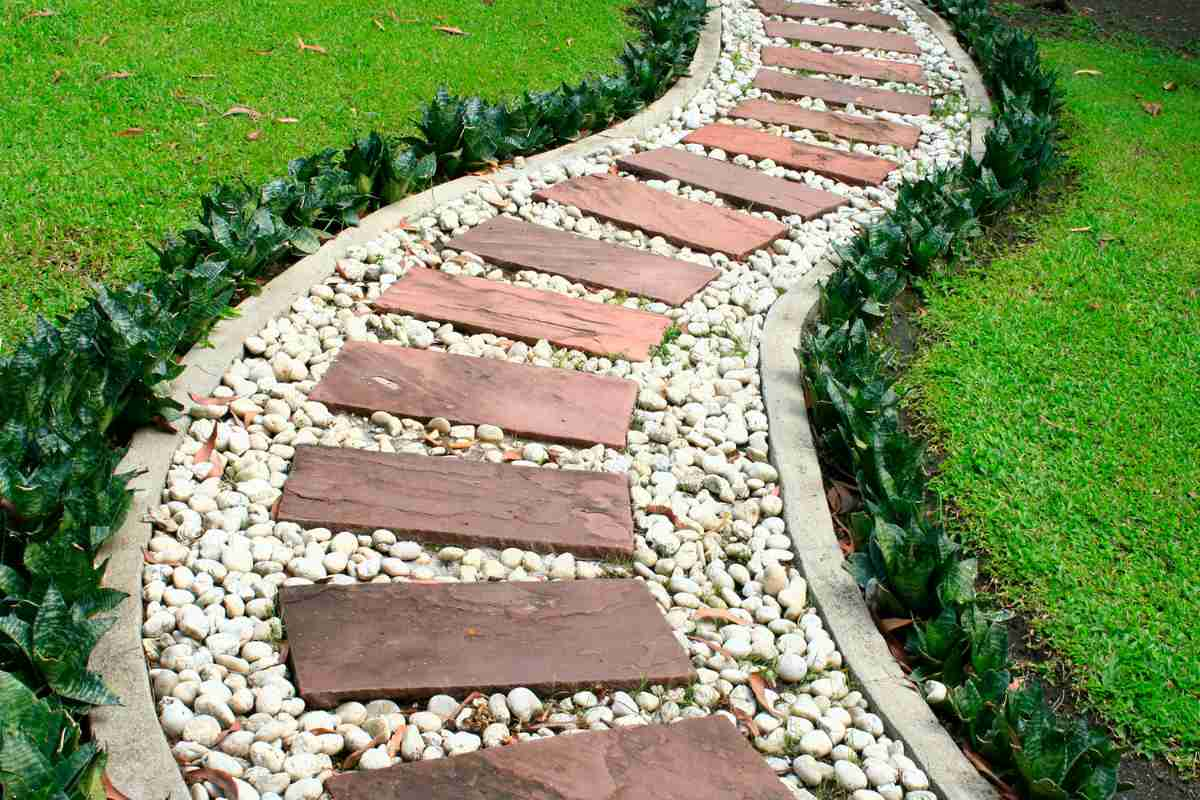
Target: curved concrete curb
<point>140,761</point>
<point>793,452</point>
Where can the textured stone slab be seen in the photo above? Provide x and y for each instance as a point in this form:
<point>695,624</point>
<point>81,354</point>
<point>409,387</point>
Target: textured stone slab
<point>516,245</point>
<point>559,404</point>
<point>875,68</point>
<point>739,184</point>
<point>408,641</point>
<point>698,759</point>
<point>852,168</point>
<point>518,312</point>
<point>842,94</point>
<point>854,127</point>
<point>850,16</point>
<point>844,37</point>
<point>459,502</point>
<point>684,222</point>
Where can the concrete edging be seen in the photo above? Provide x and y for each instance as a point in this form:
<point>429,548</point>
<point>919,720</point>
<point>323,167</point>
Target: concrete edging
<point>140,762</point>
<point>793,452</point>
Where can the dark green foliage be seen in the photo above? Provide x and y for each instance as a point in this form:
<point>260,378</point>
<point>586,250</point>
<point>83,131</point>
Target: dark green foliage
<point>904,561</point>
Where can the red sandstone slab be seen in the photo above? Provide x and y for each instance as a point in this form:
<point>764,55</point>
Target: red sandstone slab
<point>846,126</point>
<point>742,185</point>
<point>698,759</point>
<point>684,222</point>
<point>852,168</point>
<point>460,502</point>
<point>838,93</point>
<point>408,641</point>
<point>874,68</point>
<point>517,245</point>
<point>518,312</point>
<point>844,37</point>
<point>558,404</point>
<point>850,16</point>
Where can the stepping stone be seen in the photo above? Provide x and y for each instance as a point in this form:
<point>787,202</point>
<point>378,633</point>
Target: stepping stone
<point>850,16</point>
<point>517,245</point>
<point>408,641</point>
<point>459,502</point>
<point>852,168</point>
<point>842,94</point>
<point>698,759</point>
<point>874,68</point>
<point>846,126</point>
<point>657,213</point>
<point>739,184</point>
<point>843,37</point>
<point>541,402</point>
<point>479,304</point>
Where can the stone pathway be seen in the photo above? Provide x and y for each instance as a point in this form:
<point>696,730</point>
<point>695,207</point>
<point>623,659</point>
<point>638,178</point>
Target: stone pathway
<point>503,479</point>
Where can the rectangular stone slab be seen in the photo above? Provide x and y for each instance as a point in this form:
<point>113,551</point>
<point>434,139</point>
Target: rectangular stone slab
<point>543,402</point>
<point>517,245</point>
<point>739,184</point>
<point>698,759</point>
<point>459,502</point>
<point>874,68</point>
<point>846,126</point>
<point>843,37</point>
<point>838,93</point>
<point>852,168</point>
<point>850,16</point>
<point>683,222</point>
<point>518,312</point>
<point>408,641</point>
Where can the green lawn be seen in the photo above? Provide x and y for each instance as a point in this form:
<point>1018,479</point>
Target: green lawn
<point>78,201</point>
<point>1064,384</point>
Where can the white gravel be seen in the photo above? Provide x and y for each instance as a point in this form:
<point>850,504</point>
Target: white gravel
<point>698,447</point>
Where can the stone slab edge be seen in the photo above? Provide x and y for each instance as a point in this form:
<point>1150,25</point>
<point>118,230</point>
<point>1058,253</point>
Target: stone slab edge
<point>140,762</point>
<point>793,452</point>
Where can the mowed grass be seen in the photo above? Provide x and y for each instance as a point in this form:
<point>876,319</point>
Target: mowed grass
<point>1064,386</point>
<point>78,200</point>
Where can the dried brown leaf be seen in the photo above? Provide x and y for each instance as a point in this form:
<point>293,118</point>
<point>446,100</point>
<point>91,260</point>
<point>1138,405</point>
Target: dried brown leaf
<point>985,769</point>
<point>234,728</point>
<point>254,135</point>
<point>207,449</point>
<point>450,29</point>
<point>42,12</point>
<point>130,132</point>
<point>211,401</point>
<point>115,76</point>
<point>718,613</point>
<point>393,743</point>
<point>715,647</point>
<point>352,760</point>
<point>111,792</point>
<point>1170,86</point>
<point>287,120</point>
<point>1083,229</point>
<point>378,24</point>
<point>894,623</point>
<point>202,76</point>
<point>1153,109</point>
<point>105,39</point>
<point>759,685</point>
<point>1093,72</point>
<point>57,76</point>
<point>241,111</point>
<point>219,778</point>
<point>312,48</point>
<point>747,720</point>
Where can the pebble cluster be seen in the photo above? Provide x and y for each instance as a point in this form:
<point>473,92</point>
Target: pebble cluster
<point>711,545</point>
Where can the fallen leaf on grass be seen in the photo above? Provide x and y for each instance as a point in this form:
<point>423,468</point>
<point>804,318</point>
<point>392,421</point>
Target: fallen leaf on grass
<point>1088,72</point>
<point>570,41</point>
<point>111,792</point>
<point>253,136</point>
<point>287,120</point>
<point>57,76</point>
<point>1153,109</point>
<point>379,24</point>
<point>263,52</point>
<point>202,76</point>
<point>718,613</point>
<point>315,48</point>
<point>747,720</point>
<point>115,76</point>
<point>103,40</point>
<point>1084,229</point>
<point>242,111</point>
<point>759,685</point>
<point>450,29</point>
<point>1170,86</point>
<point>489,2</point>
<point>130,132</point>
<point>219,778</point>
<point>44,12</point>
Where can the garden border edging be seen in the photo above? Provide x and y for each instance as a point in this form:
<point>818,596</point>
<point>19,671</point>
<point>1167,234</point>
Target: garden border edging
<point>832,589</point>
<point>140,761</point>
